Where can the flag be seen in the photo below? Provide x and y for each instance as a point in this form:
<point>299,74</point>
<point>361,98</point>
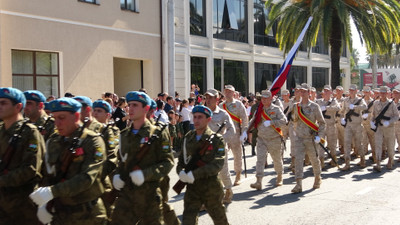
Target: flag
<point>283,72</point>
<point>287,64</point>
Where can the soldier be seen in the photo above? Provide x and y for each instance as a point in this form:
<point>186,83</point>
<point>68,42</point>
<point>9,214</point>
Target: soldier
<point>86,113</point>
<point>288,114</point>
<point>145,159</point>
<point>353,107</point>
<point>313,94</point>
<point>237,112</point>
<point>204,186</point>
<point>253,136</point>
<point>286,103</point>
<point>269,139</point>
<point>384,115</point>
<point>21,150</point>
<point>309,125</point>
<point>219,117</point>
<point>329,107</point>
<point>34,110</point>
<point>110,134</point>
<point>368,134</point>
<point>396,101</point>
<point>340,128</point>
<point>74,163</point>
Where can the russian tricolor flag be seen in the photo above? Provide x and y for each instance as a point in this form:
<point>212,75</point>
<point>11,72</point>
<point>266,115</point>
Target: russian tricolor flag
<point>287,64</point>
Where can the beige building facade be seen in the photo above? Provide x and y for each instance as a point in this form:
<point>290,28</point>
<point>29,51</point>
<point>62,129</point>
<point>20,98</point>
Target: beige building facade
<point>85,47</point>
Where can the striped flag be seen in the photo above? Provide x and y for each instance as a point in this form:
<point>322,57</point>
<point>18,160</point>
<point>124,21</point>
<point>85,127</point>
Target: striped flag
<point>283,72</point>
<point>287,64</point>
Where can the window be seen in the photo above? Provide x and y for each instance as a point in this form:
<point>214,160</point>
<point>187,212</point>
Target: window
<point>320,77</point>
<point>320,46</point>
<point>132,5</point>
<point>297,75</point>
<point>32,70</point>
<point>265,74</point>
<point>230,20</point>
<point>90,1</point>
<point>198,17</point>
<point>198,72</point>
<point>260,23</point>
<point>235,73</point>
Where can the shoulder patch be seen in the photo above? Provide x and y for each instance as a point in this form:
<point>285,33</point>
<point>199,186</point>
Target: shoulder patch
<point>98,155</point>
<point>165,147</point>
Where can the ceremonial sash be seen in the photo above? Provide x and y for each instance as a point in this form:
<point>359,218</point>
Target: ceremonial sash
<point>305,120</point>
<point>233,116</point>
<point>266,117</point>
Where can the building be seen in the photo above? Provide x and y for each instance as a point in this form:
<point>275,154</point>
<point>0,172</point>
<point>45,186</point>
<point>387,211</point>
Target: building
<point>223,42</point>
<point>84,47</point>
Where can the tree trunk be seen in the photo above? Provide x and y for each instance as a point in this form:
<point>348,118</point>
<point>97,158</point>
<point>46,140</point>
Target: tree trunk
<point>335,43</point>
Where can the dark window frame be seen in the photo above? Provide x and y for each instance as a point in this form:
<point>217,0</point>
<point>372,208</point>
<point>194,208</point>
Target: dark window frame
<point>34,75</point>
<point>124,6</point>
<point>93,2</point>
<point>203,65</point>
<point>204,18</point>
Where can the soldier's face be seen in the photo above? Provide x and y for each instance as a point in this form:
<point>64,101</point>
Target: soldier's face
<point>200,121</point>
<point>101,115</point>
<point>211,100</point>
<point>266,101</point>
<point>85,112</point>
<point>396,95</point>
<point>304,93</point>
<point>352,93</point>
<point>8,109</point>
<point>286,97</point>
<point>383,95</point>
<point>31,109</point>
<point>327,93</point>
<point>137,110</point>
<point>228,93</point>
<point>66,122</point>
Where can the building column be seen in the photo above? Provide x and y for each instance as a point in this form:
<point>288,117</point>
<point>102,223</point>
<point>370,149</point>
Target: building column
<point>210,57</point>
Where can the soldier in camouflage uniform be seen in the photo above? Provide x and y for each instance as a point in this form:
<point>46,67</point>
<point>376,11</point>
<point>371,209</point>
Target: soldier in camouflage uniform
<point>203,184</point>
<point>86,113</point>
<point>74,163</point>
<point>368,134</point>
<point>138,177</point>
<point>219,117</point>
<point>20,174</point>
<point>34,110</point>
<point>110,134</point>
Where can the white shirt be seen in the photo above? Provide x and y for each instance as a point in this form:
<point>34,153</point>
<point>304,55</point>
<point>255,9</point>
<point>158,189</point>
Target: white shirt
<point>185,113</point>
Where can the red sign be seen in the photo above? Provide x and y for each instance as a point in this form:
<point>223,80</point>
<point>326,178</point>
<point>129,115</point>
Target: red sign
<point>368,79</point>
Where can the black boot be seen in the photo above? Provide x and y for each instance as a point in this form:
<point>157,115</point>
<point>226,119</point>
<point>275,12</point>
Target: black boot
<point>253,150</point>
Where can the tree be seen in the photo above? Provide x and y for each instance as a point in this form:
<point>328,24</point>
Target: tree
<point>376,21</point>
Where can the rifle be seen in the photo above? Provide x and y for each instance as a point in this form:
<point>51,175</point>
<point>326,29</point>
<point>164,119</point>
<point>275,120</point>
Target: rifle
<point>244,154</point>
<point>321,143</point>
<point>324,112</point>
<point>369,107</point>
<point>381,116</point>
<point>196,162</point>
<point>41,128</point>
<point>10,151</point>
<point>140,155</point>
<point>351,113</point>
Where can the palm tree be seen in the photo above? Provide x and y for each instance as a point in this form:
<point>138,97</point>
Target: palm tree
<point>377,22</point>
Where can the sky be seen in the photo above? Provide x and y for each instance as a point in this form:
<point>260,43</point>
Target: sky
<point>357,44</point>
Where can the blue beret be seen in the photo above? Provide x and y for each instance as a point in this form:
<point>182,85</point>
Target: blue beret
<point>202,109</point>
<point>102,104</point>
<point>34,95</point>
<point>65,104</point>
<point>84,100</point>
<point>47,106</point>
<point>153,104</point>
<point>13,94</point>
<point>139,97</point>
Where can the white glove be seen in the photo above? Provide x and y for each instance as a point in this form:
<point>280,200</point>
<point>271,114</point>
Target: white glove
<point>183,176</point>
<point>343,121</point>
<point>117,182</point>
<point>323,108</point>
<point>317,139</point>
<point>41,196</point>
<point>43,215</point>
<point>190,177</point>
<point>372,125</point>
<point>137,177</point>
<point>267,123</point>
<point>351,106</point>
<point>243,137</point>
<point>365,116</point>
<point>386,123</point>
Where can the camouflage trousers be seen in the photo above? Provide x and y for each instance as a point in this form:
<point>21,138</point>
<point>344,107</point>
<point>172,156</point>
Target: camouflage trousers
<point>134,205</point>
<point>83,214</point>
<point>209,192</point>
<point>16,208</point>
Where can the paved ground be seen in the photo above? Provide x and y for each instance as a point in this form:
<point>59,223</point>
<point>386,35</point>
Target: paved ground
<point>360,196</point>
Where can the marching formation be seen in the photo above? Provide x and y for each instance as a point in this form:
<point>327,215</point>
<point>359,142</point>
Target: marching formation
<point>76,161</point>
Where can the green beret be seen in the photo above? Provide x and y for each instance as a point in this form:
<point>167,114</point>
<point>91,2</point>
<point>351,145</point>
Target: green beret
<point>34,95</point>
<point>102,104</point>
<point>65,104</point>
<point>13,94</point>
<point>84,100</point>
<point>202,109</point>
<point>139,97</point>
